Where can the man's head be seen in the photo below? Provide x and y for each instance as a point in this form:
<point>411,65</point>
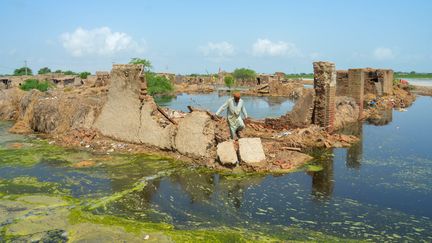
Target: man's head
<point>236,96</point>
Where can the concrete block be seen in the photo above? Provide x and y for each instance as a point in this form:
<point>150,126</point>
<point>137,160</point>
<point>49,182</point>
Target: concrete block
<point>251,150</point>
<point>226,153</point>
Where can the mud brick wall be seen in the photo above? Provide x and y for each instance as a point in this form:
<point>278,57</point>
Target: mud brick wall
<point>370,80</point>
<point>102,78</point>
<point>387,81</point>
<point>342,85</point>
<point>356,87</point>
<point>325,94</point>
<point>378,81</point>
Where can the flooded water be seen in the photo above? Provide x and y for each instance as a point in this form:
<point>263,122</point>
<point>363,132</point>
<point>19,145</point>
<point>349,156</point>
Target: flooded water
<point>257,107</point>
<point>380,190</point>
<point>420,81</point>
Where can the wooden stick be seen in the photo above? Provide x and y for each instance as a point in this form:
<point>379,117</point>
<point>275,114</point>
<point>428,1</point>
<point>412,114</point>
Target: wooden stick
<point>292,148</point>
<point>166,116</point>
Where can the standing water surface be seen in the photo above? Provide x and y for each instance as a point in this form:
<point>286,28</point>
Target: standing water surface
<point>379,189</point>
<point>257,107</point>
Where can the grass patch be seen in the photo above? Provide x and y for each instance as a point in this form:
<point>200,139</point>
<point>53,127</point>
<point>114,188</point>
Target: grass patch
<point>401,75</point>
<point>30,84</point>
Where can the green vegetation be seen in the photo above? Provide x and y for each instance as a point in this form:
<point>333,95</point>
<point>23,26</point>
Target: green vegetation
<point>44,70</point>
<point>84,75</point>
<point>158,84</point>
<point>147,64</point>
<point>229,81</point>
<point>22,71</point>
<point>204,75</point>
<point>155,84</point>
<point>411,74</point>
<point>30,84</point>
<point>299,75</point>
<point>244,74</point>
<point>58,71</point>
<point>69,72</point>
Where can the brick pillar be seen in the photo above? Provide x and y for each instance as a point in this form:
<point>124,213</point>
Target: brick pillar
<point>356,79</point>
<point>325,93</point>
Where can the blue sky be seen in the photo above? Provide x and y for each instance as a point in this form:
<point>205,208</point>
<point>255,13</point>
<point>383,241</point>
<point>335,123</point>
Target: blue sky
<point>201,36</point>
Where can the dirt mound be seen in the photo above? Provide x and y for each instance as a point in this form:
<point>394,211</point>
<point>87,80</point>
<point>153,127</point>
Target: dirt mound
<point>347,111</point>
<point>9,103</point>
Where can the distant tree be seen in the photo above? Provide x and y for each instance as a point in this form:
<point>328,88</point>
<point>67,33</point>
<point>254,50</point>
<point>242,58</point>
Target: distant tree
<point>147,64</point>
<point>69,72</point>
<point>84,75</point>
<point>58,71</point>
<point>44,70</point>
<point>22,71</point>
<point>412,72</point>
<point>229,81</point>
<point>244,74</point>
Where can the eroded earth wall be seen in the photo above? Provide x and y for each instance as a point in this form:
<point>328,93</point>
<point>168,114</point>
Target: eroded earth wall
<point>131,115</point>
<point>125,117</point>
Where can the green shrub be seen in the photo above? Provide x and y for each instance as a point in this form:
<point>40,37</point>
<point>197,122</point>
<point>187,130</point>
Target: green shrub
<point>146,63</point>
<point>30,84</point>
<point>84,75</point>
<point>244,74</point>
<point>69,72</point>
<point>158,85</point>
<point>44,70</point>
<point>229,81</point>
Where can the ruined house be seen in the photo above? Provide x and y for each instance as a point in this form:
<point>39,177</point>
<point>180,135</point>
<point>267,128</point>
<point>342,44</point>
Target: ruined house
<point>102,79</point>
<point>376,81</point>
<point>5,83</point>
<point>67,81</point>
<point>193,79</point>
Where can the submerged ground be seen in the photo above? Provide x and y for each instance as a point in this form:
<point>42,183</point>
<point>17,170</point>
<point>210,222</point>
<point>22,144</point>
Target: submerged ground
<point>379,189</point>
<point>257,107</point>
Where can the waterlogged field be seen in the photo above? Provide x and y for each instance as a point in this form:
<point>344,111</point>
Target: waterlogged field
<point>378,190</point>
<point>257,107</point>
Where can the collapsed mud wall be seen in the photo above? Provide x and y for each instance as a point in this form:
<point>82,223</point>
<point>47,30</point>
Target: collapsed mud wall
<point>131,115</point>
<point>128,117</point>
<point>55,113</point>
<point>9,103</point>
<point>299,116</point>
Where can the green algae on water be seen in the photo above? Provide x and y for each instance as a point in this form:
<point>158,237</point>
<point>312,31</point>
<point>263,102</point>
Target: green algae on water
<point>26,184</point>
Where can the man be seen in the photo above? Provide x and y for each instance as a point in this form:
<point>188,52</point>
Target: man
<point>234,108</point>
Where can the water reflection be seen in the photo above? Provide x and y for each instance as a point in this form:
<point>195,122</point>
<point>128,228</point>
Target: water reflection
<point>323,181</point>
<point>384,118</point>
<point>355,152</point>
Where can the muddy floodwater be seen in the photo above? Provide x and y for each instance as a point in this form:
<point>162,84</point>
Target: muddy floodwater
<point>380,190</point>
<point>257,107</point>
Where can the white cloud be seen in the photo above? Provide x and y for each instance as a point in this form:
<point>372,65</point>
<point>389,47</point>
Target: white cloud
<point>99,41</point>
<point>265,47</point>
<point>383,53</point>
<point>218,50</point>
